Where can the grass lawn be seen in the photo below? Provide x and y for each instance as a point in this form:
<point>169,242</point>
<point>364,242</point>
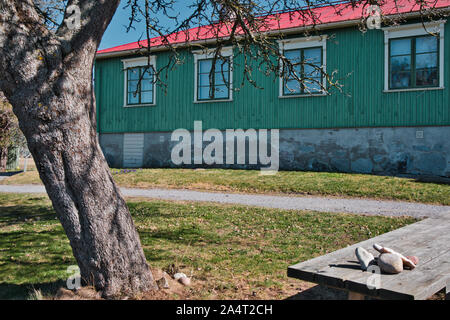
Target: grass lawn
<point>285,182</point>
<point>229,251</point>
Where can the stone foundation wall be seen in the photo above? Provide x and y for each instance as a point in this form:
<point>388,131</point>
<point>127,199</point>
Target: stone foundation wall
<point>390,151</point>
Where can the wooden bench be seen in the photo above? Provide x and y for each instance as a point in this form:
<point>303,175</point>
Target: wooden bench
<point>428,239</point>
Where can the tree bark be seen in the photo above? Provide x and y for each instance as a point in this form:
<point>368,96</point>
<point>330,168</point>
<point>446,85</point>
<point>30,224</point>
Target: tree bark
<point>3,158</point>
<point>48,80</point>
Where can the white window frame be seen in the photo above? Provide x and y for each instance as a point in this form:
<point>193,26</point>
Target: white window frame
<point>132,63</point>
<point>412,30</point>
<point>302,43</point>
<point>209,54</point>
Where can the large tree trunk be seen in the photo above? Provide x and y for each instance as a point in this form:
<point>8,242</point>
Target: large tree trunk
<point>89,205</point>
<point>48,81</point>
<point>3,158</point>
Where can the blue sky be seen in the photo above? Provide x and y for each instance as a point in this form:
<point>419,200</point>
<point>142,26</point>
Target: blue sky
<point>116,33</point>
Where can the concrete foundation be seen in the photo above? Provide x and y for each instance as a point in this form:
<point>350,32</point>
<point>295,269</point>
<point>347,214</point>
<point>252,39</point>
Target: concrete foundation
<point>112,146</point>
<point>389,151</point>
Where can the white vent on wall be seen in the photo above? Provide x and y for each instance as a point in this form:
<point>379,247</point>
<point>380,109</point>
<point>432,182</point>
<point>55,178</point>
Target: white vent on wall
<point>133,150</point>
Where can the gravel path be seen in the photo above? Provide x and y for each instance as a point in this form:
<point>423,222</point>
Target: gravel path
<point>324,204</point>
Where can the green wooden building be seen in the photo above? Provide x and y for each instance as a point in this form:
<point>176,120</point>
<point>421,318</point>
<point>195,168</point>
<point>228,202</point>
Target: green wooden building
<point>393,116</point>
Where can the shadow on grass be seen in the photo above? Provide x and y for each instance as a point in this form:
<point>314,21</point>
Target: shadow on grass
<point>10,215</point>
<point>433,180</point>
<point>183,235</point>
<point>144,211</point>
<point>10,291</point>
<point>9,173</point>
<point>22,241</point>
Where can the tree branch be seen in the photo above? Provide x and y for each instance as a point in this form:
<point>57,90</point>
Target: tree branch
<point>94,17</point>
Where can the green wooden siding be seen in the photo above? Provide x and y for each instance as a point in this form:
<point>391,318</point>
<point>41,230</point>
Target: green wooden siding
<point>359,58</point>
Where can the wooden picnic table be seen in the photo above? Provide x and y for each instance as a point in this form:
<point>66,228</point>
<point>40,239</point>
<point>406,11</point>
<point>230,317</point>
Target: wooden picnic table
<point>428,239</point>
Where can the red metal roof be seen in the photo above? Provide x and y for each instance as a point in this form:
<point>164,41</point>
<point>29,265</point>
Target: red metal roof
<point>284,21</point>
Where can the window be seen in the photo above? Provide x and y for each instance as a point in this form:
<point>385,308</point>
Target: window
<point>414,62</point>
<point>307,56</point>
<point>139,82</point>
<point>413,57</point>
<point>306,65</point>
<point>218,85</point>
<point>140,85</point>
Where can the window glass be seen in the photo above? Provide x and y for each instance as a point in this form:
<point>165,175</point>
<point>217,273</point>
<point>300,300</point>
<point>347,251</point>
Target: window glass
<point>146,85</point>
<point>147,97</point>
<point>401,63</point>
<point>427,77</point>
<point>313,56</point>
<point>307,65</point>
<point>414,62</point>
<point>427,61</point>
<point>133,74</point>
<point>140,81</point>
<point>203,80</point>
<point>222,66</point>
<point>133,98</point>
<point>426,44</point>
<point>400,47</point>
<point>294,56</point>
<point>132,85</point>
<point>401,79</point>
<point>221,78</point>
<point>312,86</point>
<point>292,87</point>
<point>205,65</point>
<point>147,73</point>
<point>203,93</point>
<point>218,86</point>
<point>221,92</point>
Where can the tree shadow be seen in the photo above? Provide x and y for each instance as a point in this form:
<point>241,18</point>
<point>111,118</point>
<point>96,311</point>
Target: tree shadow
<point>186,235</point>
<point>9,173</point>
<point>320,292</point>
<point>10,215</point>
<point>9,291</point>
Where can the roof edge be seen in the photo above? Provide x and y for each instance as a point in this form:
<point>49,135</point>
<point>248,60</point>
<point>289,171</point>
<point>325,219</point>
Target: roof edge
<point>324,26</point>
